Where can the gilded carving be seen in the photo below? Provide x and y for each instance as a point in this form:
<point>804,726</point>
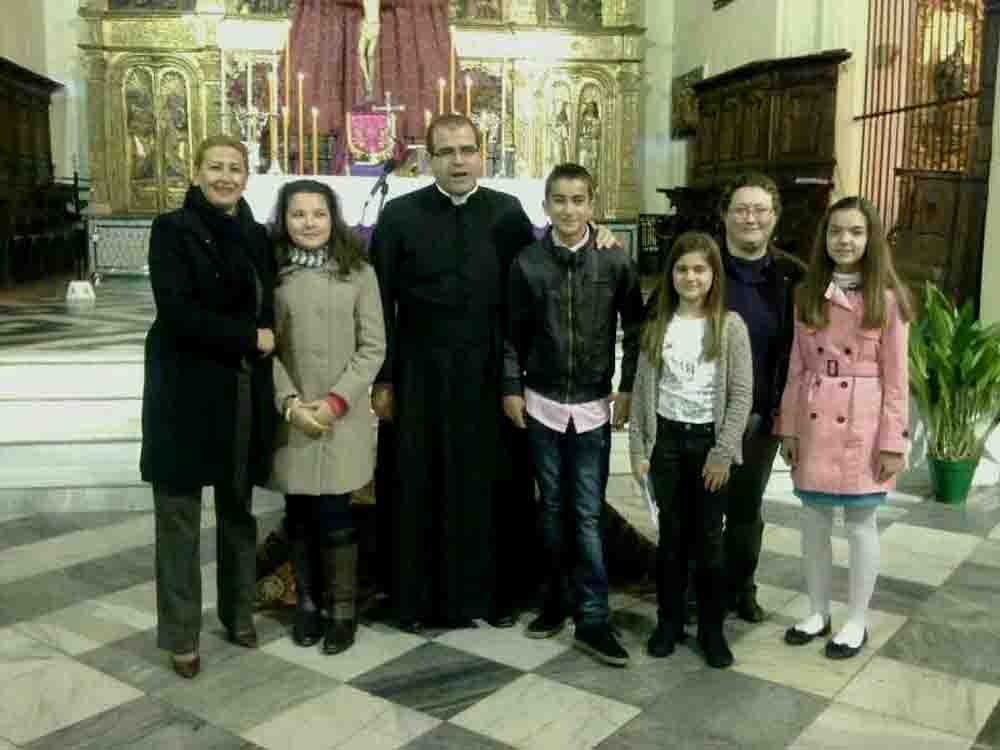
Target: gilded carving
<point>153,33</point>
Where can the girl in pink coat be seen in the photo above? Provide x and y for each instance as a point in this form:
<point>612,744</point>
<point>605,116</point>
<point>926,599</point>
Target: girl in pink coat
<point>844,412</point>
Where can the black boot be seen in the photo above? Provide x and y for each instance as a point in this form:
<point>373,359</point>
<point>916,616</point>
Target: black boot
<point>307,627</point>
<point>340,565</point>
<point>711,607</point>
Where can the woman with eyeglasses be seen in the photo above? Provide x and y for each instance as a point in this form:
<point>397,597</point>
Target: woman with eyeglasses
<point>759,281</point>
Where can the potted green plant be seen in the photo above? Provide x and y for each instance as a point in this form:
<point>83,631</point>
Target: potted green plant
<point>955,381</point>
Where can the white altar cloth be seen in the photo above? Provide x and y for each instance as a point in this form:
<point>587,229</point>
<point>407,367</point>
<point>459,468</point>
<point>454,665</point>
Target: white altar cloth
<point>262,194</point>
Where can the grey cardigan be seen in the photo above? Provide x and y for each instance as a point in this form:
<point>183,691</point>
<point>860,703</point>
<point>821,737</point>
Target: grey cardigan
<point>733,397</point>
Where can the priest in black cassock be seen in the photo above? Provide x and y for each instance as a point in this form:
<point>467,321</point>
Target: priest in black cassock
<point>441,255</point>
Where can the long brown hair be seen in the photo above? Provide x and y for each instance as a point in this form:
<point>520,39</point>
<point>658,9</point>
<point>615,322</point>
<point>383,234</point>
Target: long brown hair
<point>345,245</point>
<point>667,300</point>
<point>878,274</point>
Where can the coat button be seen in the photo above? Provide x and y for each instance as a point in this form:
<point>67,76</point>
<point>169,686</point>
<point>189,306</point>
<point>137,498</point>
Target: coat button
<point>906,433</point>
<point>847,351</point>
<point>812,415</point>
<point>819,349</point>
<point>841,420</point>
<point>843,383</point>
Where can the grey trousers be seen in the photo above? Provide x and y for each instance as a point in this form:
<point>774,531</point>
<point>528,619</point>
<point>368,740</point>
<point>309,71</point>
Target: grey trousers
<point>178,563</point>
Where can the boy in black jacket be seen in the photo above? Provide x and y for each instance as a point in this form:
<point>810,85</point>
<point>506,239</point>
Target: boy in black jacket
<point>565,298</point>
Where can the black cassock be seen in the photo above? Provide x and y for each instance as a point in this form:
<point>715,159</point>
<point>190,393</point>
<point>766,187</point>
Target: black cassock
<point>442,270</point>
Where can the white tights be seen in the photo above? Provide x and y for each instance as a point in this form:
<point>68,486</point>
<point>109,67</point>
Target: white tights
<point>817,562</point>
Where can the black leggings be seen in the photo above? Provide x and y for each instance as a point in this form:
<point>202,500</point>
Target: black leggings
<point>322,514</point>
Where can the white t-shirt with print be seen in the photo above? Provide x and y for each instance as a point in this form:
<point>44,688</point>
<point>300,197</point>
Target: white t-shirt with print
<point>687,381</point>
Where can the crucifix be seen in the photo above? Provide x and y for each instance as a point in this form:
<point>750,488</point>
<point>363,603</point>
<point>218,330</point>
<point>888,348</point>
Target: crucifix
<point>390,112</point>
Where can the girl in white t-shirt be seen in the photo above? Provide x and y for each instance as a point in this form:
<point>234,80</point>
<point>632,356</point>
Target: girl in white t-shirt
<point>690,404</point>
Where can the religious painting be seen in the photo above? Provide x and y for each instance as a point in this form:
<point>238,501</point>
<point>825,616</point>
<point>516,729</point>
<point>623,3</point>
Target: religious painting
<point>684,105</point>
<point>589,132</point>
<point>559,127</point>
<point>185,6</point>
<point>140,127</point>
<point>571,12</point>
<point>175,123</point>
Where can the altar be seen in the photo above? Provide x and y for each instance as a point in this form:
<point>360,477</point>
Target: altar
<point>353,192</point>
<point>119,244</point>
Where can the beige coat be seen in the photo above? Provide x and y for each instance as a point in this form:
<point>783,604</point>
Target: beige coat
<point>330,336</point>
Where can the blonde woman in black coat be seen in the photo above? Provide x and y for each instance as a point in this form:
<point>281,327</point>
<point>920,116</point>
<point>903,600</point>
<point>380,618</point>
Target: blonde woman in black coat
<point>208,414</point>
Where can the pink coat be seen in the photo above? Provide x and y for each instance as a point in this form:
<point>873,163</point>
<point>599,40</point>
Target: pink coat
<point>847,397</point>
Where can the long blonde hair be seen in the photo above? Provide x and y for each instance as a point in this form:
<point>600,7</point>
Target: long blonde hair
<point>667,299</point>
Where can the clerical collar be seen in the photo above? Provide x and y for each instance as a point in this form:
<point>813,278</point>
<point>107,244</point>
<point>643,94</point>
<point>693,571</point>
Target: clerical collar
<point>847,281</point>
<point>578,245</point>
<point>457,200</point>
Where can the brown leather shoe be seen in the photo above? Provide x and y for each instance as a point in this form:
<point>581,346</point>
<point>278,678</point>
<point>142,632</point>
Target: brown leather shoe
<point>186,668</point>
<point>245,638</point>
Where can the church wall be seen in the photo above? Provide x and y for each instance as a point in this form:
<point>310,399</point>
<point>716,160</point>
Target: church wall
<point>63,63</point>
<point>748,30</point>
<point>657,147</point>
<point>42,35</point>
<point>989,309</point>
<point>22,33</point>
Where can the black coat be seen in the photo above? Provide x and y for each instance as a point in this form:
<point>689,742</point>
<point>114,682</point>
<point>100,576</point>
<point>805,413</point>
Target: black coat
<point>202,265</point>
<point>562,320</point>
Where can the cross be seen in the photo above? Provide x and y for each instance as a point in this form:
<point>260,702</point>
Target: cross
<point>390,111</point>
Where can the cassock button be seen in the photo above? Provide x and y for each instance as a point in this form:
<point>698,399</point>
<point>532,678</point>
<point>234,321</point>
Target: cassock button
<point>819,349</point>
<point>812,415</point>
<point>843,383</point>
<point>847,351</point>
<point>841,420</point>
<point>906,433</point>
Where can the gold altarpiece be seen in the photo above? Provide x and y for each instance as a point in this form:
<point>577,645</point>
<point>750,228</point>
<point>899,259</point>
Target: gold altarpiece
<point>570,76</point>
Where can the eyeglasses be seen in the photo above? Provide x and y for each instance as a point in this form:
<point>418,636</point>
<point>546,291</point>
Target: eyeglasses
<point>448,152</point>
<point>743,212</point>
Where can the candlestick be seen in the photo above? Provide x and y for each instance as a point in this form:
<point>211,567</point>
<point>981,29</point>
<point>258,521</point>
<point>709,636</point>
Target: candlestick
<point>441,83</point>
<point>315,114</point>
<point>288,71</point>
<point>302,168</point>
<point>284,127</point>
<point>272,122</point>
<point>451,72</point>
<point>503,111</point>
<point>468,96</point>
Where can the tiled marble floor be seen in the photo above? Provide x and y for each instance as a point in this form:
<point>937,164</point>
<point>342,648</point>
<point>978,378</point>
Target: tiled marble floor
<point>79,667</point>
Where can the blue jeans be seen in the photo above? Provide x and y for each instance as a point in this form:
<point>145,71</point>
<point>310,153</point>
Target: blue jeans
<point>569,468</point>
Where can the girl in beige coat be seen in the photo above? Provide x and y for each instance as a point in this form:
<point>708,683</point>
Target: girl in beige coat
<point>330,345</point>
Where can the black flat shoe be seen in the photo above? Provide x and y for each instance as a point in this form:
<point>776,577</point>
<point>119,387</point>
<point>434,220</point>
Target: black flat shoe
<point>411,626</point>
<point>503,620</point>
<point>245,638</point>
<point>842,650</point>
<point>796,637</point>
<point>186,668</point>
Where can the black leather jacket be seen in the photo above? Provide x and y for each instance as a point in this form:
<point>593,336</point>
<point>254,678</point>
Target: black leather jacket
<point>562,319</point>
